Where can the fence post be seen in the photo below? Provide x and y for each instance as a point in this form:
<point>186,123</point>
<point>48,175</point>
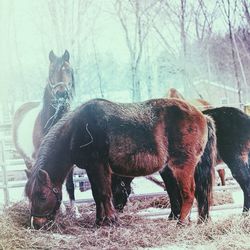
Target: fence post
<point>5,179</point>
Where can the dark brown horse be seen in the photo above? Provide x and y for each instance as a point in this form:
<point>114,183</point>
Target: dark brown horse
<point>126,139</point>
<point>58,94</point>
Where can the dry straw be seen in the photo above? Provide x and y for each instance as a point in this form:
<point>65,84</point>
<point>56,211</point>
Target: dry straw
<point>133,232</point>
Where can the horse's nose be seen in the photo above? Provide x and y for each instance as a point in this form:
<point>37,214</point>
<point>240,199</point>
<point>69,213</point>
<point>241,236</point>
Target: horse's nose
<point>38,223</point>
<point>61,94</point>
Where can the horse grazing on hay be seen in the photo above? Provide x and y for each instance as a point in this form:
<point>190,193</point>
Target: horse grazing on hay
<point>127,139</point>
<point>58,94</point>
<point>201,104</point>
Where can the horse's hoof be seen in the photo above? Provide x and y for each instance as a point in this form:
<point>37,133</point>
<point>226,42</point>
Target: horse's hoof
<point>203,219</point>
<point>182,223</point>
<point>75,212</point>
<point>110,221</point>
<point>119,208</point>
<point>107,221</point>
<point>63,209</point>
<point>245,213</point>
<point>173,217</point>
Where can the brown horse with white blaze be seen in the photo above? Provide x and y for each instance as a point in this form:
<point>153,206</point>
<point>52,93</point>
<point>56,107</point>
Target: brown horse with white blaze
<point>127,139</point>
<point>32,122</point>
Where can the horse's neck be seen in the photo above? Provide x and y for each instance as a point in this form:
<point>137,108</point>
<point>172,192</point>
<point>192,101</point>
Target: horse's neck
<point>48,113</point>
<point>57,157</point>
<point>47,109</point>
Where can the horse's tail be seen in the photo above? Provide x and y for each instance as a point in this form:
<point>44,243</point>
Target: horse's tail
<point>17,120</point>
<point>204,173</point>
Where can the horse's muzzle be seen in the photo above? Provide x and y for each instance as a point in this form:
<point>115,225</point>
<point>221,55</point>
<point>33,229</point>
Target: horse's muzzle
<point>38,223</point>
<point>62,94</point>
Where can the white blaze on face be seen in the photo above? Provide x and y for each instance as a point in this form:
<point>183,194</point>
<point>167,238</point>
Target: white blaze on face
<point>25,131</point>
<point>31,222</point>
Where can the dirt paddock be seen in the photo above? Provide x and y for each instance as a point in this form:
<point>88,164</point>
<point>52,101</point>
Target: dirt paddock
<point>133,232</point>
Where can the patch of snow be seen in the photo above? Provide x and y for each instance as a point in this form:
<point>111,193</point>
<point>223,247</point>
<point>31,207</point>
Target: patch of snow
<point>141,185</point>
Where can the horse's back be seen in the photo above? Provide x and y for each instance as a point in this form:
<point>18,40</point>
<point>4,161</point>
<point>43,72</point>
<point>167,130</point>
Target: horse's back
<point>139,137</point>
<point>231,120</point>
<point>232,129</point>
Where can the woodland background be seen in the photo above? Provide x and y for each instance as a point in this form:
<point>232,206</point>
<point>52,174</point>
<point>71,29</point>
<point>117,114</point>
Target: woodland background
<point>128,50</point>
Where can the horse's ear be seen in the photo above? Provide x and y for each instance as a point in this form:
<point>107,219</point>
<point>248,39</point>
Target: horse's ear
<point>66,56</point>
<point>28,173</point>
<point>52,56</point>
<point>43,177</point>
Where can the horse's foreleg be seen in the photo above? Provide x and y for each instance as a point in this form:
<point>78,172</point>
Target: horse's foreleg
<point>173,192</point>
<point>100,180</point>
<point>71,192</point>
<point>185,180</point>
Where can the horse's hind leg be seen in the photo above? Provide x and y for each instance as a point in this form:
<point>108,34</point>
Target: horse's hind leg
<point>241,172</point>
<point>70,187</point>
<point>221,173</point>
<point>204,174</point>
<point>173,192</point>
<point>100,179</point>
<point>185,180</point>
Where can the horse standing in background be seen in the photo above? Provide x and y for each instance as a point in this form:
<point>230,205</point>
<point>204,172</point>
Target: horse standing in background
<point>233,147</point>
<point>58,94</point>
<point>201,105</point>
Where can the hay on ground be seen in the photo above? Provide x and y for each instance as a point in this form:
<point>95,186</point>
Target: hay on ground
<point>219,198</point>
<point>133,232</point>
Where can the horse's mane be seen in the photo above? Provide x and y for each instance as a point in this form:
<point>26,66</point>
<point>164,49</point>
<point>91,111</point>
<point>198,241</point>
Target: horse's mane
<point>48,144</point>
<point>73,84</point>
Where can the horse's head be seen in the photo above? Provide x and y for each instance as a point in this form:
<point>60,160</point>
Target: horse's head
<point>174,93</point>
<point>61,77</point>
<point>121,190</point>
<point>44,197</point>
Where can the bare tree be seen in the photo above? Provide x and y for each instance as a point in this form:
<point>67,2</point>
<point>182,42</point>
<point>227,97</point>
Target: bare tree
<point>246,6</point>
<point>98,71</point>
<point>179,15</point>
<point>135,37</point>
<point>204,20</point>
<point>229,8</point>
